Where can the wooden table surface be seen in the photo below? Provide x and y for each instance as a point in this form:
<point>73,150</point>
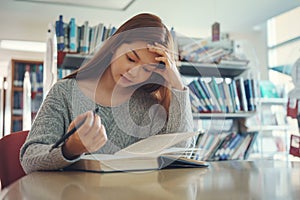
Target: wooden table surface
<point>261,179</point>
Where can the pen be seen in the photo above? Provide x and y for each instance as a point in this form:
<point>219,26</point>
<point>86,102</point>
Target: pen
<point>71,132</point>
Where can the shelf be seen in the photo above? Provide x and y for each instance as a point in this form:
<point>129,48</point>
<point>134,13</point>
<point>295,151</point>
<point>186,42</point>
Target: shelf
<point>269,128</point>
<point>222,115</point>
<point>279,101</point>
<point>74,61</point>
<point>216,70</point>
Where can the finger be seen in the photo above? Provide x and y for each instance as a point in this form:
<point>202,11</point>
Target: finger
<point>77,120</point>
<point>94,130</point>
<point>87,125</point>
<point>169,53</point>
<point>162,59</point>
<point>157,50</point>
<point>99,139</point>
<point>161,46</point>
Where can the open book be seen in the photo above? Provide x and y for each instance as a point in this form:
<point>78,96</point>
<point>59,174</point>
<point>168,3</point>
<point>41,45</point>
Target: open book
<point>151,153</point>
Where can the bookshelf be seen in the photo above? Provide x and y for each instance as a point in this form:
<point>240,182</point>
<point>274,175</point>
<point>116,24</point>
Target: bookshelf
<point>75,43</point>
<point>224,125</point>
<point>14,92</point>
<point>210,69</point>
<point>274,128</point>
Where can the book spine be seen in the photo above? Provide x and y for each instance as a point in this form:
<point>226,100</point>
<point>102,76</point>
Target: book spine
<point>85,38</point>
<point>73,36</point>
<point>193,88</point>
<point>227,97</point>
<point>253,136</point>
<point>204,93</point>
<point>196,102</point>
<point>249,95</point>
<point>235,95</point>
<point>217,92</point>
<point>223,96</point>
<point>241,93</point>
<point>214,101</point>
<point>66,37</point>
<point>60,34</point>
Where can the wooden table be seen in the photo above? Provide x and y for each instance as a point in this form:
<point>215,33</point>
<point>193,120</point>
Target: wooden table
<point>261,179</point>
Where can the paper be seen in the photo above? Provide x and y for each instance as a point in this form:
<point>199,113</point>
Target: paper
<point>151,153</point>
<point>155,145</point>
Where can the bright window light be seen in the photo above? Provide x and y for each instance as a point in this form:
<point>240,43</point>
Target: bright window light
<point>19,45</point>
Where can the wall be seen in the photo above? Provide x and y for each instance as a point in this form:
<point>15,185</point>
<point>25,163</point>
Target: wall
<point>255,43</point>
<point>7,55</point>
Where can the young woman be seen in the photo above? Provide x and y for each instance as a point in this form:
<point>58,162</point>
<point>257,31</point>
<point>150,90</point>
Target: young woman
<point>132,81</point>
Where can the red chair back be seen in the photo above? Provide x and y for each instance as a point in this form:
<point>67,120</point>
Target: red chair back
<point>10,166</point>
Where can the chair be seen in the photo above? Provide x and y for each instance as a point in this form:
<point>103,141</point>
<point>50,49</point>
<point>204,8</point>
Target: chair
<point>10,166</point>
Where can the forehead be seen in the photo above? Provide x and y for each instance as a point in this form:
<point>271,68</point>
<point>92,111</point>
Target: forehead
<point>140,48</point>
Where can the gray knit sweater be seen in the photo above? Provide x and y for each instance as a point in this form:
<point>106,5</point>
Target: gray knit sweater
<point>125,124</point>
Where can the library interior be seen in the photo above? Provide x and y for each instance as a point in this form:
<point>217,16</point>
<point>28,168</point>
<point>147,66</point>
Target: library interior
<point>237,62</point>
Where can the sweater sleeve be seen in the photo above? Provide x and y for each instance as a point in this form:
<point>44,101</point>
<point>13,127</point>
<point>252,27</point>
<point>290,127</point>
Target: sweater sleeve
<point>180,117</point>
<point>49,125</point>
<point>180,113</point>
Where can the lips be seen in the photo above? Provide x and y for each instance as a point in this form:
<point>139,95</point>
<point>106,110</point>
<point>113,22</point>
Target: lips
<point>126,79</point>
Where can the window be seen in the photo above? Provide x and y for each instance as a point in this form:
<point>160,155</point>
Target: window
<point>283,45</point>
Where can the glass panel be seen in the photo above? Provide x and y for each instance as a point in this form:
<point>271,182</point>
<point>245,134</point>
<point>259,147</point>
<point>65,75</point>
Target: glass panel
<point>284,27</point>
<point>284,55</point>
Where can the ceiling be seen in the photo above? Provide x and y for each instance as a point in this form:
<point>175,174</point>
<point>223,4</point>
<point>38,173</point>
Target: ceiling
<point>28,20</point>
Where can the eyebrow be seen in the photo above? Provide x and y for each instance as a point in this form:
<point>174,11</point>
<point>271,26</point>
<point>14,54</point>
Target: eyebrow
<point>135,53</point>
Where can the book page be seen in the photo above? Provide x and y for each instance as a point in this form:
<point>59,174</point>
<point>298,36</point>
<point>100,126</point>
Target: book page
<point>155,145</point>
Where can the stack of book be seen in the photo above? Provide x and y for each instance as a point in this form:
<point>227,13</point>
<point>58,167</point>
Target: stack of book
<point>202,51</point>
<point>223,95</point>
<point>83,39</point>
<point>224,146</point>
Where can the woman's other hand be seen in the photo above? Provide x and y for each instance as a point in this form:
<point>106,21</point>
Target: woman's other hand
<point>170,72</point>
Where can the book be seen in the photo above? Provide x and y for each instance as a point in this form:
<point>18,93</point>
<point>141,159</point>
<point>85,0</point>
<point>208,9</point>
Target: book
<point>59,26</point>
<point>214,101</point>
<point>228,98</point>
<point>235,96</point>
<point>214,85</point>
<point>73,35</point>
<point>249,95</point>
<point>152,153</point>
<point>242,93</point>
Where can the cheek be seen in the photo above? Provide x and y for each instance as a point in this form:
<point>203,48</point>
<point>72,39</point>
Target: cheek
<point>144,76</point>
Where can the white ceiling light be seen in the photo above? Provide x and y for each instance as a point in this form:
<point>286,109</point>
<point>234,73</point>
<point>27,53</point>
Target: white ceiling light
<point>101,4</point>
<point>19,45</point>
